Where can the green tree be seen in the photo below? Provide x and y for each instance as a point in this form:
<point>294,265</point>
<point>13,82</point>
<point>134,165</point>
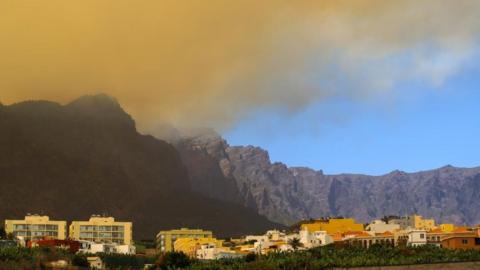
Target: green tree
<point>80,260</point>
<point>173,260</point>
<point>3,233</point>
<point>295,243</point>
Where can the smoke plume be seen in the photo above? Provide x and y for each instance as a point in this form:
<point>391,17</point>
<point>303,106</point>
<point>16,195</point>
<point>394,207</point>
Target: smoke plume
<point>209,62</point>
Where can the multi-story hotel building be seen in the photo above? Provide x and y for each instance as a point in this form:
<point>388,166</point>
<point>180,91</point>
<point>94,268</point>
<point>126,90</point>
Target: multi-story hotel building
<point>36,227</point>
<point>102,229</point>
<point>166,239</point>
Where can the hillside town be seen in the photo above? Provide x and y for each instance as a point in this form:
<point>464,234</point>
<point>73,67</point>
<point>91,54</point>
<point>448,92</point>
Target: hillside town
<point>104,234</point>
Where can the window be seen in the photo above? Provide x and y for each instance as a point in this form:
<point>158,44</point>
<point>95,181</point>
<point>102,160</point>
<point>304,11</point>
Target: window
<point>422,236</point>
<point>464,241</point>
<point>51,227</point>
<point>19,227</point>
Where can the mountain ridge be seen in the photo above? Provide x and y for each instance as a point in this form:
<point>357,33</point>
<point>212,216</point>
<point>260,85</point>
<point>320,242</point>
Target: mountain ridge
<point>288,194</point>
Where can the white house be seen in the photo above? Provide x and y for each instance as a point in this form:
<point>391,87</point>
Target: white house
<point>206,252</point>
<point>417,237</point>
<point>92,248</point>
<point>314,239</point>
<point>379,226</point>
<point>211,252</point>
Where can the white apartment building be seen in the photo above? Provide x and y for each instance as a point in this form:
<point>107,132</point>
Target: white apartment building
<point>379,226</point>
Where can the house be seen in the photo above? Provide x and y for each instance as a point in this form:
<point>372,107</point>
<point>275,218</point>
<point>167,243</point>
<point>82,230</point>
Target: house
<point>314,239</point>
<point>92,248</point>
<point>380,226</point>
<point>332,226</point>
<point>414,222</point>
<point>462,242</point>
<point>435,236</point>
<point>275,235</point>
<point>366,239</point>
<point>71,245</point>
<point>190,245</point>
<point>166,239</point>
<point>256,238</point>
<point>211,252</point>
<point>446,227</point>
<point>416,238</point>
<point>272,246</point>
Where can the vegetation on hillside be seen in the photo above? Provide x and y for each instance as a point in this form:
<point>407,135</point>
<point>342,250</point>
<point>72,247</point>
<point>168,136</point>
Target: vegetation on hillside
<point>329,257</point>
<point>317,258</point>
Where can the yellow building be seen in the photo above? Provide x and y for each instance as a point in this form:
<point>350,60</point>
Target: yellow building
<point>422,224</point>
<point>36,227</point>
<point>102,229</point>
<point>447,227</point>
<point>189,246</point>
<point>165,239</point>
<point>334,225</point>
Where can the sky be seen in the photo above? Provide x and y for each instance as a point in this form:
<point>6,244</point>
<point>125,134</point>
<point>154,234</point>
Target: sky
<point>362,86</point>
<point>422,128</point>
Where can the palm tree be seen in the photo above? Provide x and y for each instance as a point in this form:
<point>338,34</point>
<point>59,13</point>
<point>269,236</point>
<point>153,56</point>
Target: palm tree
<point>295,243</point>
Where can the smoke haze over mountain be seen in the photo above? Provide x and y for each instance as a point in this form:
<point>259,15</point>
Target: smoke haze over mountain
<point>210,62</point>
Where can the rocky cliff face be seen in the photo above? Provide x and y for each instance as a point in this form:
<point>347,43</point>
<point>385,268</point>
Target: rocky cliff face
<point>87,158</point>
<point>287,195</point>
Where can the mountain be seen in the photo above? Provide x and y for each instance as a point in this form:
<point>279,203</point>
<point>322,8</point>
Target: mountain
<point>86,157</point>
<point>288,194</point>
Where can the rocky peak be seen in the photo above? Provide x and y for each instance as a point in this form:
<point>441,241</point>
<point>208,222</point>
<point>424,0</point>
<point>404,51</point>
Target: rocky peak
<point>103,108</point>
<point>287,195</point>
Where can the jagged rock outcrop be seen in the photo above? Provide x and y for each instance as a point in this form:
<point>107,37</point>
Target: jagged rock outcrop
<point>287,195</point>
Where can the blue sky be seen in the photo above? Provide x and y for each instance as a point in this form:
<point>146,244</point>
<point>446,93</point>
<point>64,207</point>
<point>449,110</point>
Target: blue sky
<point>416,126</point>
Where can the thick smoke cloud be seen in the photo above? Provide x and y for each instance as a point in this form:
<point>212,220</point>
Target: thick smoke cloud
<point>207,62</point>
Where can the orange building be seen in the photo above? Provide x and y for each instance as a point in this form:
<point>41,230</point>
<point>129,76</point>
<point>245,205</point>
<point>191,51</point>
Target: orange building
<point>333,226</point>
<point>462,242</point>
<point>364,239</point>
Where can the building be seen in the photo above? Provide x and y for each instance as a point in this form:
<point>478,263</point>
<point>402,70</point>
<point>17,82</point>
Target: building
<point>314,239</point>
<point>421,223</point>
<point>271,246</point>
<point>365,240</point>
<point>189,246</point>
<point>414,222</point>
<point>256,238</point>
<point>71,245</point>
<point>435,236</point>
<point>380,226</point>
<point>275,235</point>
<point>35,227</point>
<point>88,247</point>
<point>462,242</point>
<point>269,236</point>
<point>416,238</point>
<point>446,227</point>
<point>211,252</point>
<point>102,230</point>
<point>165,239</point>
<point>332,226</point>
<point>403,222</point>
